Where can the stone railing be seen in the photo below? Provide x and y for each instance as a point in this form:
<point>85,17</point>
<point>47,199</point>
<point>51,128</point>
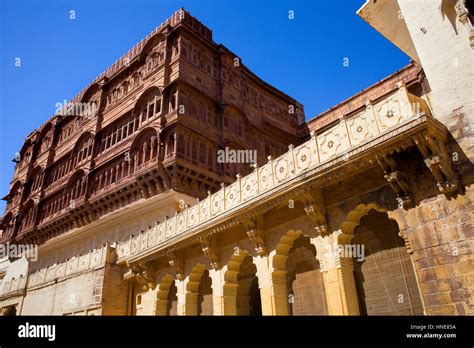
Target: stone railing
<point>335,140</point>
<point>13,285</point>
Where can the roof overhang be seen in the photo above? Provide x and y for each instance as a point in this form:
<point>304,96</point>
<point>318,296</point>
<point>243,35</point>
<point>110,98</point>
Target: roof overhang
<point>385,17</point>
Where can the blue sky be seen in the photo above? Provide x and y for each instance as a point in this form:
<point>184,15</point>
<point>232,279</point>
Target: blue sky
<point>59,56</point>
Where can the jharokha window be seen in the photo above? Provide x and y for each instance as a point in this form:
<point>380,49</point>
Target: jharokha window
<point>147,109</point>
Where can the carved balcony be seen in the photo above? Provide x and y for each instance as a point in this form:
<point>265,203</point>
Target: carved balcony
<point>338,150</point>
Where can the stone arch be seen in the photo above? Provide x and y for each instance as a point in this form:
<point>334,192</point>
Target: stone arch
<point>142,136</point>
<point>44,139</point>
<point>167,300</point>
<point>384,274</point>
<point>27,214</point>
<point>76,186</point>
<point>353,220</point>
<point>14,196</point>
<point>34,181</point>
<point>149,44</point>
<point>144,148</point>
<point>8,226</point>
<point>151,95</point>
<point>89,92</point>
<point>299,287</point>
<point>241,290</point>
<point>83,148</point>
<point>198,297</point>
<point>25,147</point>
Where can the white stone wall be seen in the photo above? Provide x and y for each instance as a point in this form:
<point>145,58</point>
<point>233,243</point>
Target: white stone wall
<point>443,46</point>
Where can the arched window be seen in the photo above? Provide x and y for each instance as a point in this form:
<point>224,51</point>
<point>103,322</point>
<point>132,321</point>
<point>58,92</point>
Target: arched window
<point>27,216</point>
<point>144,149</point>
<point>82,150</point>
<point>148,106</point>
<point>385,277</point>
<point>305,281</point>
<point>8,226</point>
<point>35,182</point>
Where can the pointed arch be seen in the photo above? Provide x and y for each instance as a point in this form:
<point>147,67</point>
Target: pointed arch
<point>144,149</point>
<point>199,292</point>
<point>353,219</point>
<point>14,196</point>
<point>166,301</point>
<point>298,277</point>
<point>27,214</point>
<point>148,104</point>
<point>150,43</point>
<point>384,274</point>
<point>83,149</point>
<point>76,186</point>
<point>8,226</point>
<point>34,181</point>
<point>241,288</point>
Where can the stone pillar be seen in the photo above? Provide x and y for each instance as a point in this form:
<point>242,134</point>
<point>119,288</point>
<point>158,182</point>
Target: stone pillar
<point>162,305</point>
<point>338,275</point>
<point>217,291</point>
<point>191,303</point>
<point>273,287</point>
<point>181,295</point>
<point>230,299</point>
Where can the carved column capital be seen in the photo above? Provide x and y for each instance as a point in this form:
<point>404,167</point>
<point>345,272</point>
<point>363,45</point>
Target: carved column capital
<point>330,251</point>
<point>255,235</point>
<point>176,264</point>
<point>210,251</point>
<point>397,179</point>
<point>313,200</point>
<point>142,274</point>
<point>437,159</point>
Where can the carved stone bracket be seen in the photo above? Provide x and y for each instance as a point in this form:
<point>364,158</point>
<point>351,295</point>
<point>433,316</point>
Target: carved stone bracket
<point>176,265</point>
<point>396,179</point>
<point>210,251</point>
<point>143,275</point>
<point>438,161</point>
<point>255,235</point>
<point>313,200</point>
